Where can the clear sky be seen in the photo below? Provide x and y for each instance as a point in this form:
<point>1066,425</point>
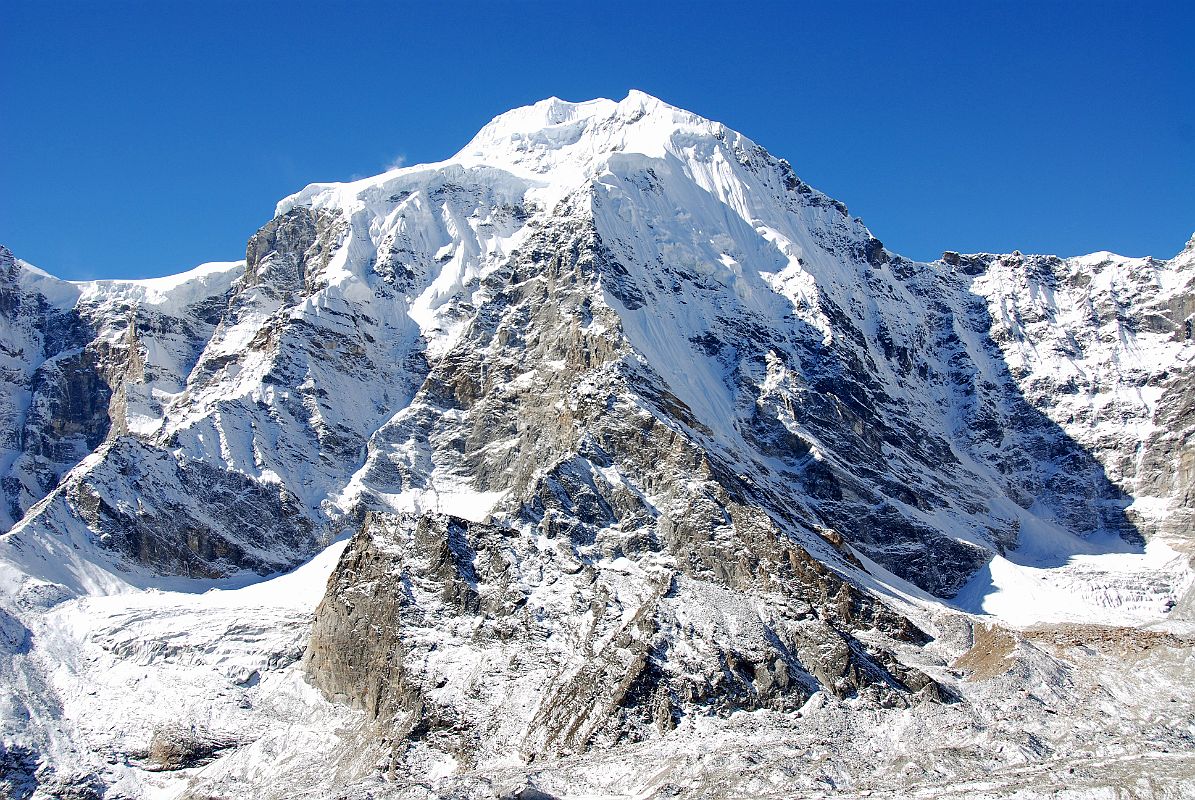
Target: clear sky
<point>142,138</point>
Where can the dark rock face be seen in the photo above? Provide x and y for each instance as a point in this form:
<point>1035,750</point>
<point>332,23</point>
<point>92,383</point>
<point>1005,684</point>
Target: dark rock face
<point>74,400</point>
<point>18,770</point>
<point>182,517</point>
<point>53,407</point>
<point>181,747</point>
<point>582,651</point>
<point>289,254</point>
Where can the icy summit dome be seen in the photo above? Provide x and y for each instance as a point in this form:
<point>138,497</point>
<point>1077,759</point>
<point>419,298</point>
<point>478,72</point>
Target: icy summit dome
<point>553,114</point>
<point>552,133</point>
<point>553,147</point>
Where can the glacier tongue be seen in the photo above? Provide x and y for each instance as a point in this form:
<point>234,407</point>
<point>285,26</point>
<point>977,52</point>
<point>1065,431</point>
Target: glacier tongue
<point>636,441</point>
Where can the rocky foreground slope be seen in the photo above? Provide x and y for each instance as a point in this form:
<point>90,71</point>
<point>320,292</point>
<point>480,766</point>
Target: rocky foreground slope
<point>631,446</point>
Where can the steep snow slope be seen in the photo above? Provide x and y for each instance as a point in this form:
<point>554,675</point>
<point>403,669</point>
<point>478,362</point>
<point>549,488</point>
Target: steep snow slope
<point>631,427</point>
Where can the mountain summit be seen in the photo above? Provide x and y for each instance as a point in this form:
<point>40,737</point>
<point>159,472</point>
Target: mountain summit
<point>620,430</point>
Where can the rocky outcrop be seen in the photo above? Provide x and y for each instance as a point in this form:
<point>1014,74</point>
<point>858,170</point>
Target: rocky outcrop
<point>473,638</point>
<point>291,252</point>
<point>186,517</point>
<point>182,747</point>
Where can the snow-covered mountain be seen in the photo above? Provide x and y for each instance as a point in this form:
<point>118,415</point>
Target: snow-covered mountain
<point>634,437</point>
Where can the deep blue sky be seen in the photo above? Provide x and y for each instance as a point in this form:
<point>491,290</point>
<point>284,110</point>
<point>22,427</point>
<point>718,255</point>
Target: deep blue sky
<point>143,138</point>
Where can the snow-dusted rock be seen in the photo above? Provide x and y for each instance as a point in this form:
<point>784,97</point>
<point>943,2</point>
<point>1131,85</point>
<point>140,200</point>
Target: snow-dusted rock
<point>630,427</point>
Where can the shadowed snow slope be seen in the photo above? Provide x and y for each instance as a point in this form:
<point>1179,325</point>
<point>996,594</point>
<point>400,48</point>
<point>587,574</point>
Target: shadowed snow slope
<point>634,433</point>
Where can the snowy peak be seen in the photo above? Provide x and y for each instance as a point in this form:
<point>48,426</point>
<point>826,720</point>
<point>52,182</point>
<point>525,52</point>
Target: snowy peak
<point>555,147</point>
<point>583,132</point>
<point>635,434</point>
<point>757,303</point>
<point>547,113</point>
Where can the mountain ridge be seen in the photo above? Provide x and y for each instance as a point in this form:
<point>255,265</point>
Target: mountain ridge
<point>600,136</point>
<point>626,427</point>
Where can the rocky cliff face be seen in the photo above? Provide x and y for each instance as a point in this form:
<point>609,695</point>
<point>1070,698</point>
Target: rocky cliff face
<point>469,640</point>
<point>395,341</point>
<point>55,401</point>
<point>626,421</point>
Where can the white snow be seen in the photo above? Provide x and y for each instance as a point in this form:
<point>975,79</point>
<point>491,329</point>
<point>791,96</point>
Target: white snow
<point>109,671</point>
<point>1102,588</point>
<point>170,293</point>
